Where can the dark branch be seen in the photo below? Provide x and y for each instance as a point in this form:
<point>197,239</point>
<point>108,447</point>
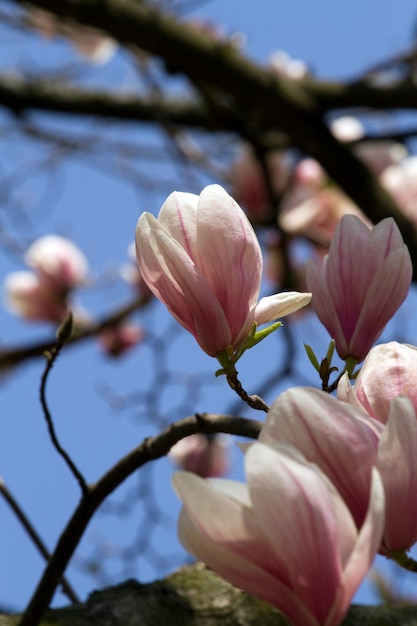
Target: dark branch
<point>150,449</point>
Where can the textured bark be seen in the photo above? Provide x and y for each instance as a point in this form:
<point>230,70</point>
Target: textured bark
<point>194,596</point>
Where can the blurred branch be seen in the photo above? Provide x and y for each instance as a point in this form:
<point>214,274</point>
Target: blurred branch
<point>362,95</point>
<point>21,95</point>
<point>256,97</point>
<point>30,530</point>
<point>196,596</point>
<point>150,449</point>
<point>10,357</point>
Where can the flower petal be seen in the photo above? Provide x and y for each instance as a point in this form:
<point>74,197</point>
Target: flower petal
<point>223,532</point>
<point>330,433</point>
<point>364,551</point>
<point>305,519</point>
<point>229,255</point>
<point>171,275</point>
<point>279,305</point>
<point>397,464</point>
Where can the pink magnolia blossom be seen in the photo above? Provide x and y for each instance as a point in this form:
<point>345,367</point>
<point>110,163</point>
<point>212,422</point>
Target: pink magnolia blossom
<point>389,370</point>
<point>400,179</point>
<point>363,281</point>
<point>29,296</point>
<point>313,207</point>
<point>205,456</point>
<point>58,260</point>
<point>340,439</point>
<point>345,443</point>
<point>202,259</point>
<point>248,181</point>
<point>397,464</point>
<point>287,536</point>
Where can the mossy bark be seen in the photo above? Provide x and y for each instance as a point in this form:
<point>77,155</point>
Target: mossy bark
<point>195,596</point>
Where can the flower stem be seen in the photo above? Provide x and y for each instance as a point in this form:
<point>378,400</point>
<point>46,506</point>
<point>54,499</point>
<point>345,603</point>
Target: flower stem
<point>404,561</point>
<point>255,402</point>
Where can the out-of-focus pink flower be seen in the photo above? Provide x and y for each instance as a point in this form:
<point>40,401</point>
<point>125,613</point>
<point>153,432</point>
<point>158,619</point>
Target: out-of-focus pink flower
<point>205,456</point>
<point>318,216</point>
<point>29,296</point>
<point>389,370</point>
<point>59,261</point>
<point>400,180</point>
<point>59,266</point>
<point>313,207</point>
<point>202,259</point>
<point>363,281</point>
<point>338,438</point>
<point>286,537</point>
<point>249,185</point>
<point>116,340</point>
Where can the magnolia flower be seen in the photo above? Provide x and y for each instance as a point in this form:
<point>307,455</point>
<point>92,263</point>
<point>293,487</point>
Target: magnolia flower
<point>249,184</point>
<point>27,295</point>
<point>206,456</point>
<point>389,370</point>
<point>116,340</point>
<point>400,179</point>
<point>345,443</point>
<point>58,266</point>
<point>202,259</point>
<point>286,537</point>
<point>58,260</point>
<point>362,282</point>
<point>331,434</point>
<point>397,464</point>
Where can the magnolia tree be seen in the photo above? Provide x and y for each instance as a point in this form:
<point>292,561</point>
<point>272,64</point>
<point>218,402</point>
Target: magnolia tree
<point>285,209</point>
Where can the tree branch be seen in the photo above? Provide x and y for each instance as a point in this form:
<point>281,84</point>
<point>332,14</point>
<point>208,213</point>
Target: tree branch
<point>10,357</point>
<point>196,596</point>
<point>258,97</point>
<point>21,95</point>
<point>150,449</point>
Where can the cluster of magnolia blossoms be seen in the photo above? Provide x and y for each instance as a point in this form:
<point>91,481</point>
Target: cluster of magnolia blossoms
<point>202,259</point>
<point>331,482</point>
<point>57,267</point>
<point>329,486</point>
<point>303,532</point>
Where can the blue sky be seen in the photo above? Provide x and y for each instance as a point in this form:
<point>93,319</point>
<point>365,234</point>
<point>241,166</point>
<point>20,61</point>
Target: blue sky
<point>99,211</point>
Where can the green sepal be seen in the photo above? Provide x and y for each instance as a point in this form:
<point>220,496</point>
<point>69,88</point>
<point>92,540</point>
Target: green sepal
<point>330,351</point>
<point>228,358</point>
<point>254,337</point>
<point>312,357</point>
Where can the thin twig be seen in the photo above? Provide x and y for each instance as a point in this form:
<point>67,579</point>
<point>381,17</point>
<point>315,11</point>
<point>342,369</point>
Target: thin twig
<point>51,355</point>
<point>31,531</point>
<point>150,449</point>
